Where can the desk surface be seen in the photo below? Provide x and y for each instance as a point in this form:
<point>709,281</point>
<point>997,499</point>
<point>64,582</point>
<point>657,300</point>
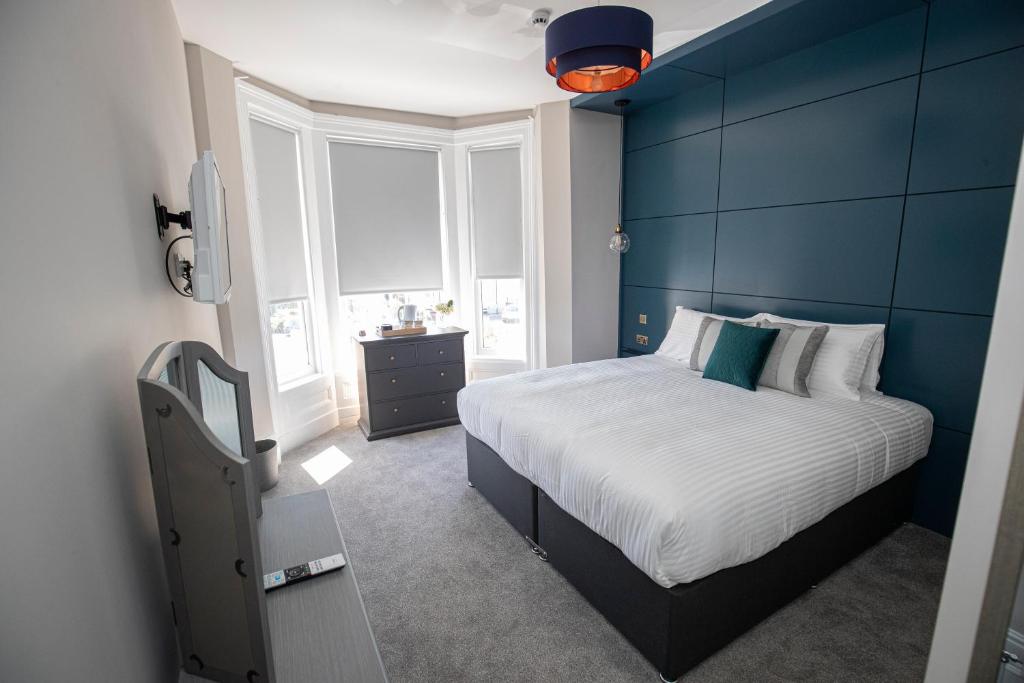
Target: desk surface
<point>319,632</point>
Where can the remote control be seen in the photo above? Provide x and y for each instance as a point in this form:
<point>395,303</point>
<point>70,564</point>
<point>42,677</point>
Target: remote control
<point>287,577</point>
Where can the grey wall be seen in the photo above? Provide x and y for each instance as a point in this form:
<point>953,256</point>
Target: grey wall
<point>595,154</point>
<point>95,117</point>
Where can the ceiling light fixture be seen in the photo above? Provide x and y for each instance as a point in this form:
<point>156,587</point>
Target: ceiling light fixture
<point>599,49</point>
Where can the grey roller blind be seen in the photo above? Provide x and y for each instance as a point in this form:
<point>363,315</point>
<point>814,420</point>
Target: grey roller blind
<point>387,218</point>
<point>496,182</point>
<point>276,156</point>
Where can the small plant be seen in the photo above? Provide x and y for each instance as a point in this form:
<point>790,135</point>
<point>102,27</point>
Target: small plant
<point>445,308</point>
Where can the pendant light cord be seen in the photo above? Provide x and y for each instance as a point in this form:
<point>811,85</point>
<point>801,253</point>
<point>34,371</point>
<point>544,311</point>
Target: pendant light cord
<point>621,104</point>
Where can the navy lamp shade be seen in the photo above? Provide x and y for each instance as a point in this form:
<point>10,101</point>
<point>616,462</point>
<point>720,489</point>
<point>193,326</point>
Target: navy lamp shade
<point>599,49</point>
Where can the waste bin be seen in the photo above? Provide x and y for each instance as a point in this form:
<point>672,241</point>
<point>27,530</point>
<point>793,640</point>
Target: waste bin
<point>266,463</point>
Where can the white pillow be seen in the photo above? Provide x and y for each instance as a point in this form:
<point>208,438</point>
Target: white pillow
<point>848,359</point>
<point>682,335</point>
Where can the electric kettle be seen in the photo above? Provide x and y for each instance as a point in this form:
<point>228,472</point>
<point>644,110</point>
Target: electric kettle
<point>408,313</point>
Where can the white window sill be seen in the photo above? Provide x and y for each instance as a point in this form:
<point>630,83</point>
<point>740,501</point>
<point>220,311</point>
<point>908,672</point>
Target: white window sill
<point>300,382</point>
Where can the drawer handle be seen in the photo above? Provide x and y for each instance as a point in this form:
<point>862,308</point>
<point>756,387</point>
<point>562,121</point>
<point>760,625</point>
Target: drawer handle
<point>394,381</point>
<point>441,352</point>
<point>444,402</point>
<point>391,357</point>
<point>442,373</point>
<point>394,410</point>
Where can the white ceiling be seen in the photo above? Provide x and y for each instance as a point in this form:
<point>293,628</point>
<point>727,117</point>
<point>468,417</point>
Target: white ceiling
<point>445,57</point>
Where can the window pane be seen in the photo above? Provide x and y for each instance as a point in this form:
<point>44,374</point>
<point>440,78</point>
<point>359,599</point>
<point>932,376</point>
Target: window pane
<point>367,311</point>
<point>501,318</point>
<point>289,327</point>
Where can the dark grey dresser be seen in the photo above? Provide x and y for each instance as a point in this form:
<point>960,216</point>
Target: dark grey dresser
<point>409,383</point>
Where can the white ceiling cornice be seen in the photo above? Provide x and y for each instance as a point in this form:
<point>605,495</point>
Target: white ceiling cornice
<point>448,58</point>
<point>339,127</point>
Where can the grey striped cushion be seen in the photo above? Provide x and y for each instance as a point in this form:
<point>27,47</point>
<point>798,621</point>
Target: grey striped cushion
<point>707,336</point>
<point>790,360</point>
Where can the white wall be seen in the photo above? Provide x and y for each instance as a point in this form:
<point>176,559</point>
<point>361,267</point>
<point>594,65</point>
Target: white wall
<point>215,118</point>
<point>577,162</point>
<point>988,467</point>
<point>554,226</point>
<point>595,165</point>
<point>94,118</point>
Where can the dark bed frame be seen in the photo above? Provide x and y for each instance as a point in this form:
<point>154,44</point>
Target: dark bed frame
<point>676,628</point>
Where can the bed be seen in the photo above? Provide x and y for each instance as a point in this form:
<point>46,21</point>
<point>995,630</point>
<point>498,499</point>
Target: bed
<point>687,510</point>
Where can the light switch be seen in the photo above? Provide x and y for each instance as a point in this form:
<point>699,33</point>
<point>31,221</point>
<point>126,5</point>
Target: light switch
<point>643,318</point>
<point>641,339</point>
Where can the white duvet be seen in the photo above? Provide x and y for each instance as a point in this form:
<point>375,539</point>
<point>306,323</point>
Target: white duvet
<point>685,475</point>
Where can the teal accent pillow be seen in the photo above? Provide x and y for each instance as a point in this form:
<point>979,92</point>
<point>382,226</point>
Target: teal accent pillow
<point>739,354</point>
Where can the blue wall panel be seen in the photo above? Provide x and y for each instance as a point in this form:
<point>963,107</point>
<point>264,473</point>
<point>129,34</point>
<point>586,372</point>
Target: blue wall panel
<point>920,249</point>
<point>936,359</point>
<point>969,124</point>
<point>952,250</point>
<point>881,52</point>
<point>674,178</point>
<point>840,251</point>
<point>964,29</point>
<point>659,305</point>
<point>938,486</point>
<point>675,252</point>
<point>848,147</point>
<point>743,306</point>
<point>692,112</point>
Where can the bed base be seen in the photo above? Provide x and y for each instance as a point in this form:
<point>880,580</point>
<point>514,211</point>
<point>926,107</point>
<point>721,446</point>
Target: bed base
<point>676,628</point>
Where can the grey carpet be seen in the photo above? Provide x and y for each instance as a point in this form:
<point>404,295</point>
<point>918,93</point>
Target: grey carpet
<point>453,594</point>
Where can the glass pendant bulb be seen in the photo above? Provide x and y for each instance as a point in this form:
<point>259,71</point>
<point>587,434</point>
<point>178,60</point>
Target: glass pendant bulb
<point>619,242</point>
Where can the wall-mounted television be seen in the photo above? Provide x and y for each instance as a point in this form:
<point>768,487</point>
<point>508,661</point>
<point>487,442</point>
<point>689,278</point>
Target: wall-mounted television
<point>211,272</point>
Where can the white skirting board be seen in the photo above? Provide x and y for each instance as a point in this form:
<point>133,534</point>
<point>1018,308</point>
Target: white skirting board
<point>305,432</point>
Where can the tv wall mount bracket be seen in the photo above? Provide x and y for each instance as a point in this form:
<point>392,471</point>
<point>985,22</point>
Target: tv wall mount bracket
<point>164,218</point>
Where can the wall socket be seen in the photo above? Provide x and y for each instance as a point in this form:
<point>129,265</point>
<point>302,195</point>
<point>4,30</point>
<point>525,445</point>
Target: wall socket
<point>643,318</point>
<point>641,339</point>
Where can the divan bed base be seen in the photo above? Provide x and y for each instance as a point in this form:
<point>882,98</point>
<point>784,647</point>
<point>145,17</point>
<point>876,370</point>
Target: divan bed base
<point>676,628</point>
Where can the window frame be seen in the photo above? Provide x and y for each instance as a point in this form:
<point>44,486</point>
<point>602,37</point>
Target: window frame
<point>495,354</point>
<point>312,330</point>
<point>283,384</point>
<point>328,128</point>
<point>519,136</point>
<point>307,406</point>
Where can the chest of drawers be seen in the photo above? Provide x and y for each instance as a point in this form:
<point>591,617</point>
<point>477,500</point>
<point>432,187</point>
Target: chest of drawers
<point>407,384</point>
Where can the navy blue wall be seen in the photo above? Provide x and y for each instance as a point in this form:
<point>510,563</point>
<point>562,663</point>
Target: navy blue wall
<point>864,179</point>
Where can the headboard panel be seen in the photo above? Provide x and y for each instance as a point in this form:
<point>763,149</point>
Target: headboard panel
<point>863,179</point>
<point>849,314</point>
